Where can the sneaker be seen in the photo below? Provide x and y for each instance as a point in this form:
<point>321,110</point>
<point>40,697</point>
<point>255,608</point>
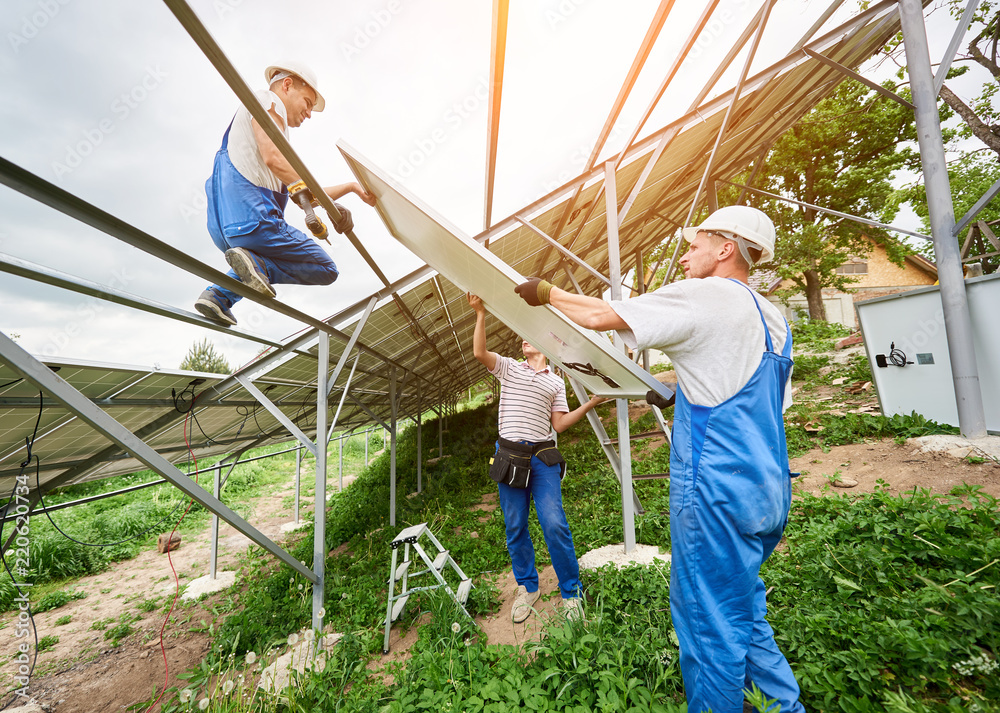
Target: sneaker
<point>250,270</point>
<point>572,609</point>
<point>523,603</point>
<point>211,307</point>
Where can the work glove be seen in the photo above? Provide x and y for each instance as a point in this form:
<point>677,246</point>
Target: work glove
<point>306,201</point>
<point>653,398</point>
<point>535,291</point>
<point>346,223</point>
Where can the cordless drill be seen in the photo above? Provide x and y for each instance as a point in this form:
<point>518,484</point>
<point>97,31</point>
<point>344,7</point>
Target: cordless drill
<point>306,201</point>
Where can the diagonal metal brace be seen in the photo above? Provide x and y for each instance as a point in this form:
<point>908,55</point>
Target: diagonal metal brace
<point>47,380</point>
<point>277,413</point>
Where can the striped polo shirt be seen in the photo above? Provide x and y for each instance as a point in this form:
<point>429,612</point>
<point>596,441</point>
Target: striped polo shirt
<point>527,400</point>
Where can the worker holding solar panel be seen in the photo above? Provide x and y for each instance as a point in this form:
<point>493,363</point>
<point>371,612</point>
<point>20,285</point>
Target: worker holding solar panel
<point>730,488</point>
<point>250,186</point>
<point>527,466</point>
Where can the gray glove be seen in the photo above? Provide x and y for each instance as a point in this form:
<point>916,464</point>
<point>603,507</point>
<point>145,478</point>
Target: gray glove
<point>346,223</point>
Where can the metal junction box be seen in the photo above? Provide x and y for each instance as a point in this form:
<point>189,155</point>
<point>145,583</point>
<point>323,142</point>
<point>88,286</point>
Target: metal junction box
<point>908,350</point>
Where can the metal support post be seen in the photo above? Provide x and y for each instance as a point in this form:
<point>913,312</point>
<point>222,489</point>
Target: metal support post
<point>340,443</point>
<point>298,479</point>
<point>366,447</point>
<point>216,491</point>
<point>420,450</point>
<point>624,443</point>
<point>441,433</point>
<point>43,377</point>
<point>941,211</point>
<point>319,514</point>
<point>392,447</point>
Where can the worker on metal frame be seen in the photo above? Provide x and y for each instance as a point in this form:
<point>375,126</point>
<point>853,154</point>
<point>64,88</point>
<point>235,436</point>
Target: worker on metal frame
<point>730,488</point>
<point>527,466</point>
<point>249,189</point>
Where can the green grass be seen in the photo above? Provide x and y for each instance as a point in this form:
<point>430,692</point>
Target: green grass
<point>882,603</point>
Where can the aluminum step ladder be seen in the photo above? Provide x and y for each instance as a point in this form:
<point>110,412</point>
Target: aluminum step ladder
<point>399,572</point>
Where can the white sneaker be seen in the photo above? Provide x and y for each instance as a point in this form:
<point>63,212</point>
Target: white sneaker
<point>523,603</point>
<point>572,609</point>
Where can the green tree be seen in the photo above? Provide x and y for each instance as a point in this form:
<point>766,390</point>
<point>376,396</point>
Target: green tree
<point>203,357</point>
<point>841,155</point>
<point>971,130</point>
<point>980,115</point>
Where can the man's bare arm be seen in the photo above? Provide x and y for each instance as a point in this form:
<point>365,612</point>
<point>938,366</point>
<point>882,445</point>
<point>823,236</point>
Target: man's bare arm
<point>479,350</point>
<point>562,420</point>
<point>272,156</point>
<point>589,312</point>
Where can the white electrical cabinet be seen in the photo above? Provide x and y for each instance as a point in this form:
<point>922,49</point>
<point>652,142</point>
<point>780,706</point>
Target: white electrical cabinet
<point>905,333</point>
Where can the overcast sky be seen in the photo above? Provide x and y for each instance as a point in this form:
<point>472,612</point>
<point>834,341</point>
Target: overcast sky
<point>115,103</point>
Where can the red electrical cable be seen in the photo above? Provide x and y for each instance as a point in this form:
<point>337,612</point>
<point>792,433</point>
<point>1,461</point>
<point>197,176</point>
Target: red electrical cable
<point>177,581</point>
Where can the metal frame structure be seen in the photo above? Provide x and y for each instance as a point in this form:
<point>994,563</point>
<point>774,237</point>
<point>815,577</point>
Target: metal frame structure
<point>407,337</point>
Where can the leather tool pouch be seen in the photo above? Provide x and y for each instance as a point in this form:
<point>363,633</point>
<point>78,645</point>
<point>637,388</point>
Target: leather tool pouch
<point>550,455</point>
<point>511,464</point>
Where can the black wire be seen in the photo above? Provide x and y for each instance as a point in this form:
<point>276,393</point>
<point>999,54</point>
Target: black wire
<point>896,356</point>
<point>3,386</point>
<point>192,397</point>
<point>136,536</point>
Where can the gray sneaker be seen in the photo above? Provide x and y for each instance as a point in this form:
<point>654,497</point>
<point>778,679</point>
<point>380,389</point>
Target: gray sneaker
<point>211,307</point>
<point>250,270</point>
<point>572,609</point>
<point>523,603</point>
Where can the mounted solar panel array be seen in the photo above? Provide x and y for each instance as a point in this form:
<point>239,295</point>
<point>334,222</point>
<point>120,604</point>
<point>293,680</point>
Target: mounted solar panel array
<point>412,337</point>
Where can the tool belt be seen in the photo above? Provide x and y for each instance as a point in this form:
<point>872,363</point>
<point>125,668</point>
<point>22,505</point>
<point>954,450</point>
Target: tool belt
<point>511,464</point>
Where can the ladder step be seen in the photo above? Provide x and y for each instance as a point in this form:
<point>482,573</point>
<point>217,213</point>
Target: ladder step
<point>401,570</point>
<point>440,560</point>
<point>463,591</point>
<point>397,607</point>
<point>410,535</point>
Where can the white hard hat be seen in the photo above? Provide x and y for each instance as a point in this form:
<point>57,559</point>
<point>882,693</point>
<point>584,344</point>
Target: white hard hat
<point>300,70</point>
<point>749,223</point>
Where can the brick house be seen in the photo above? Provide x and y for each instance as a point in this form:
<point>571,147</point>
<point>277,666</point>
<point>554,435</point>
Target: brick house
<point>876,277</point>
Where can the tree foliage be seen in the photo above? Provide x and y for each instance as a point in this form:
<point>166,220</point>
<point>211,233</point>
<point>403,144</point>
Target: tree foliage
<point>842,156</point>
<point>203,357</point>
<point>981,114</point>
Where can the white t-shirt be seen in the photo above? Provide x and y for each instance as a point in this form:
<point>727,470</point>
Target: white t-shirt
<point>711,331</point>
<point>528,399</point>
<point>243,150</point>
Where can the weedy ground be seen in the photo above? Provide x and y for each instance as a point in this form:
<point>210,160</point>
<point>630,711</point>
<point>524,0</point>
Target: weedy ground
<point>881,602</point>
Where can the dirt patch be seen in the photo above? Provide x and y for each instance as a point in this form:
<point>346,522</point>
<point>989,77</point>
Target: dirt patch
<point>903,467</point>
<point>84,672</point>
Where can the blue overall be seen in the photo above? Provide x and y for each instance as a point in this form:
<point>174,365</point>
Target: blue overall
<point>244,215</point>
<point>730,492</point>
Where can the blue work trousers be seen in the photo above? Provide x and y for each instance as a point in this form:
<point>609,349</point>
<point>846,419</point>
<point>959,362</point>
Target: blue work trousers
<point>545,489</point>
<point>243,215</point>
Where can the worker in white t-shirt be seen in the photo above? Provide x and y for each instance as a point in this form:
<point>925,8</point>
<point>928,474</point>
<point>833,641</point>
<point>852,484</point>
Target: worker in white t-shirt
<point>247,193</point>
<point>730,487</point>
